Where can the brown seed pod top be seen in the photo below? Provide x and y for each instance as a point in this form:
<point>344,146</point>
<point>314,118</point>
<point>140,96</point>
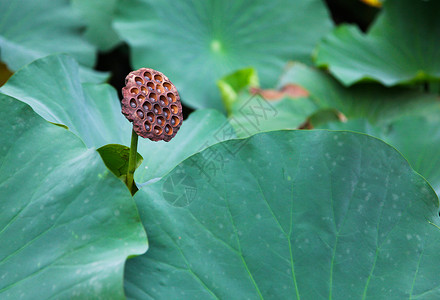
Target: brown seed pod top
<point>152,103</point>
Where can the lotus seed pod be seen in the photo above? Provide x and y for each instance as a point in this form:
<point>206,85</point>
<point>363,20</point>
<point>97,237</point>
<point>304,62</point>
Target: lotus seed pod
<point>152,103</point>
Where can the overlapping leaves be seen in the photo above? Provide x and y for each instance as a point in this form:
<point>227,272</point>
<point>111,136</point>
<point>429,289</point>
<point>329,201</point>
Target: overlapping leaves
<point>93,112</point>
<point>197,42</point>
<point>407,119</point>
<point>401,47</point>
<point>34,29</point>
<point>67,224</point>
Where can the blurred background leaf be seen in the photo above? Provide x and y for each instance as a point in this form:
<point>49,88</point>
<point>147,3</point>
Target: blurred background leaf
<point>252,109</point>
<point>400,48</point>
<point>197,42</point>
<point>98,15</point>
<point>372,101</point>
<point>33,29</point>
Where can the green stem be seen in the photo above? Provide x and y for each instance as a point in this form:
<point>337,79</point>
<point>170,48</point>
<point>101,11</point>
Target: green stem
<point>132,160</point>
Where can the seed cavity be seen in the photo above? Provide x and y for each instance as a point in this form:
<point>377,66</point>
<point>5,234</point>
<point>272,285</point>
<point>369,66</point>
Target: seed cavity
<point>175,121</point>
<point>157,130</point>
<point>174,109</point>
<point>150,117</point>
<point>157,109</point>
<point>140,114</point>
<point>168,130</point>
<point>171,97</point>
<point>139,81</point>
<point>147,75</point>
<point>153,97</point>
<point>133,103</point>
<point>166,113</point>
<point>167,86</point>
<point>146,106</point>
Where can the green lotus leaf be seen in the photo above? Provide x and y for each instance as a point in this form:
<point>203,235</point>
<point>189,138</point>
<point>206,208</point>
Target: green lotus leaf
<point>401,47</point>
<point>417,137</point>
<point>98,15</point>
<point>290,215</point>
<point>33,29</point>
<point>52,87</point>
<point>67,224</point>
<point>195,43</point>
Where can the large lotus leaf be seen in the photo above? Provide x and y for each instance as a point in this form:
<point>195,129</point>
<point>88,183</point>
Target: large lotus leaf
<point>52,87</point>
<point>417,137</point>
<point>99,16</point>
<point>250,110</point>
<point>293,214</point>
<point>32,29</point>
<point>203,128</point>
<point>195,43</point>
<point>371,101</point>
<point>67,224</point>
<point>401,47</point>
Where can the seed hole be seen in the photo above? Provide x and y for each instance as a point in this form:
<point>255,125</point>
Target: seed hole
<point>144,90</point>
<point>139,81</point>
<point>158,78</point>
<point>150,86</point>
<point>160,120</point>
<point>146,106</point>
<point>147,75</point>
<point>174,109</point>
<point>150,117</point>
<point>140,114</point>
<point>153,97</point>
<point>134,91</point>
<point>133,103</point>
<point>141,98</point>
<point>163,100</point>
<point>175,121</point>
<point>157,130</point>
<point>167,86</point>
<point>147,126</point>
<point>168,130</point>
<point>157,109</point>
<point>171,97</point>
<point>166,113</point>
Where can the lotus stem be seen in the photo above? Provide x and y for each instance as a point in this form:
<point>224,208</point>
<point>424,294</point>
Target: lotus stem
<point>132,160</point>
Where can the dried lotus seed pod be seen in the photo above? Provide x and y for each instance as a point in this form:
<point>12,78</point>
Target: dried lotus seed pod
<point>152,103</point>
